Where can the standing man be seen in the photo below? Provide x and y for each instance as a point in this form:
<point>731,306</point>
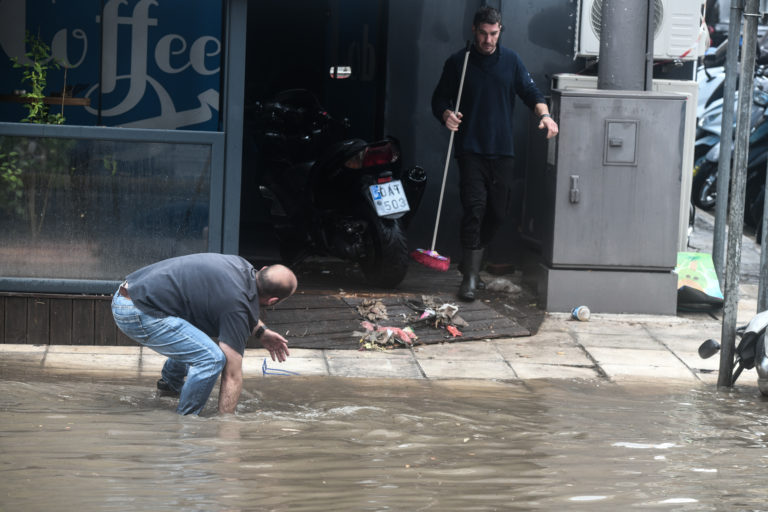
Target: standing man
<point>176,306</point>
<point>484,147</point>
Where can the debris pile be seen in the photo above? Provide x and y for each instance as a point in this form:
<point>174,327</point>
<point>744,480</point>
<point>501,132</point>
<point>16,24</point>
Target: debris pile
<point>376,337</point>
<point>429,312</point>
<point>436,314</point>
<point>373,310</point>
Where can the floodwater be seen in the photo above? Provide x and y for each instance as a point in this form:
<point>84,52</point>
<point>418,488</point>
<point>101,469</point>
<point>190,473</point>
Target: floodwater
<point>316,444</point>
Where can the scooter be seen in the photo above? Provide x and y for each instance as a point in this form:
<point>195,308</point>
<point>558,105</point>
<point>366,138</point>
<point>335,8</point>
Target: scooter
<point>750,351</point>
<point>703,188</point>
<point>331,195</point>
<point>711,82</point>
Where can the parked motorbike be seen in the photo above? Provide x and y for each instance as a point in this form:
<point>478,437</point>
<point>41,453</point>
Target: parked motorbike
<point>703,189</point>
<point>711,83</point>
<point>332,195</point>
<point>750,351</point>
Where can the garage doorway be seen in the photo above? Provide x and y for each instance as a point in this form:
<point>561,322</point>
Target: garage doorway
<point>334,48</point>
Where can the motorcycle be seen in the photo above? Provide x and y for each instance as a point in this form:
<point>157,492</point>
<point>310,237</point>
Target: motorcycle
<point>711,82</point>
<point>331,195</point>
<point>749,353</point>
<point>703,188</point>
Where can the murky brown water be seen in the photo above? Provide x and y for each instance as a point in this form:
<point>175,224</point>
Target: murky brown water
<point>346,444</point>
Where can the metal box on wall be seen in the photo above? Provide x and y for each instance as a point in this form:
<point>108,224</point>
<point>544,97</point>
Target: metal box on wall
<point>611,199</point>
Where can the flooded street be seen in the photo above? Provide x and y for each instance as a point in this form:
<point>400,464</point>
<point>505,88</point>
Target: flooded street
<point>352,444</point>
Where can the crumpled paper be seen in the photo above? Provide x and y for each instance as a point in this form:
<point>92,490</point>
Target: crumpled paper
<point>501,284</point>
<point>436,313</point>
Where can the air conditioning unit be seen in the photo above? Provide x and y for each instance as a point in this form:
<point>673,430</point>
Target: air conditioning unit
<point>680,32</point>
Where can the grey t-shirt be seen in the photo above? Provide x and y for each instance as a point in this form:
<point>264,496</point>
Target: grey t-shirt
<point>214,292</point>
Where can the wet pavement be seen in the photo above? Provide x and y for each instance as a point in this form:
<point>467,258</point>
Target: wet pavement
<point>609,347</point>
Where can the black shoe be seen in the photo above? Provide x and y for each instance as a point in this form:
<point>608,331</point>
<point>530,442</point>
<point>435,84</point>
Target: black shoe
<point>165,389</point>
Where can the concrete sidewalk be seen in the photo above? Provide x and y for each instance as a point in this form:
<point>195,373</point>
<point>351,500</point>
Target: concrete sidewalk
<point>614,348</point>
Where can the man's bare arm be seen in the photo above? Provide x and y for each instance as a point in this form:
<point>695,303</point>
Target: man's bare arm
<point>231,380</point>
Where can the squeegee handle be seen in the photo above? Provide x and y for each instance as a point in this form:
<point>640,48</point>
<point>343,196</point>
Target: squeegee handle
<point>450,147</point>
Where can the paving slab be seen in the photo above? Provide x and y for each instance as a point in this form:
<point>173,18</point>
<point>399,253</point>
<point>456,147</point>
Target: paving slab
<point>684,340</point>
<point>746,310</point>
<point>528,371</point>
<point>26,356</point>
<point>19,359</point>
<point>397,364</point>
<point>692,360</point>
<point>475,351</point>
<point>605,323</point>
<point>533,351</point>
<point>628,373</point>
<point>691,329</point>
<point>635,358</point>
<point>24,349</point>
<point>305,366</point>
<point>554,322</point>
<point>87,349</point>
<point>630,340</point>
<point>466,369</point>
<point>151,362</point>
<point>542,337</point>
<point>96,362</point>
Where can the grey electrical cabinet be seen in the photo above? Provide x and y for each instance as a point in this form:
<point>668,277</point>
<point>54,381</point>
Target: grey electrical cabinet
<point>611,192</point>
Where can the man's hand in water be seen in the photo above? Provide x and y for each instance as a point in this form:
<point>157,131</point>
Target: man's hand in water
<point>275,344</point>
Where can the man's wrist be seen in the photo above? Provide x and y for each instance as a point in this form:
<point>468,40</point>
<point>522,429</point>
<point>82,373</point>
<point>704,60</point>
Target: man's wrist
<point>542,116</point>
<point>259,332</point>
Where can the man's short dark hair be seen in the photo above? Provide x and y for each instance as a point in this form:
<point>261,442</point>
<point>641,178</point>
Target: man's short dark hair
<point>487,14</point>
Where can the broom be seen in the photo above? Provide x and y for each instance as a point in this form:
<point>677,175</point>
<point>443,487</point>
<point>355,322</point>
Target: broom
<point>431,258</point>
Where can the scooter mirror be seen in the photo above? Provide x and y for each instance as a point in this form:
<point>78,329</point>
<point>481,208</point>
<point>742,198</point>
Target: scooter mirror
<point>708,348</point>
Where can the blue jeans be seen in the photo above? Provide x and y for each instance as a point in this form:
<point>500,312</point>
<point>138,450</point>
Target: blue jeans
<point>191,353</point>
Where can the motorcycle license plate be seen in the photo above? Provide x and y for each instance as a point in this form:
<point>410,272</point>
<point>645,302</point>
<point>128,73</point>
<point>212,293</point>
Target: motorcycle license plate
<point>389,198</point>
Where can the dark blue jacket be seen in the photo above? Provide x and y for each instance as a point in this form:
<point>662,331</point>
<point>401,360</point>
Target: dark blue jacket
<point>487,101</point>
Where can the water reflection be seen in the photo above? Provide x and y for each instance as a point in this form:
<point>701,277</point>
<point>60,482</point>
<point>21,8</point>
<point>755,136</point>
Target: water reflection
<point>353,444</point>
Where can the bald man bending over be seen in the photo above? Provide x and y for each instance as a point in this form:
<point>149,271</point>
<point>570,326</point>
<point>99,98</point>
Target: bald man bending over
<point>178,306</point>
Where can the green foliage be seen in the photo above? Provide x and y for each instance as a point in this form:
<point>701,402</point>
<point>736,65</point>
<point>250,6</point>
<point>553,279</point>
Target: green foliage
<point>110,164</point>
<point>36,75</point>
<point>31,168</point>
<point>11,184</point>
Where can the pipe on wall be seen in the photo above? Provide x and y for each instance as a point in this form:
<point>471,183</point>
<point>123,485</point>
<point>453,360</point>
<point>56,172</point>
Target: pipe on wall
<point>624,38</point>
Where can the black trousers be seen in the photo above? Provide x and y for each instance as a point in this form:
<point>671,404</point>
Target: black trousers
<point>486,197</point>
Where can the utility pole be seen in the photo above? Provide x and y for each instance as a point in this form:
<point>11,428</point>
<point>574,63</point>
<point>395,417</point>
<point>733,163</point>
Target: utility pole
<point>623,45</point>
<point>726,138</point>
<point>738,190</point>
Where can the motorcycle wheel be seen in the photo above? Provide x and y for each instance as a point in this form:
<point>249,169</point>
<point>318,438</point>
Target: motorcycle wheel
<point>386,261</point>
<point>704,186</point>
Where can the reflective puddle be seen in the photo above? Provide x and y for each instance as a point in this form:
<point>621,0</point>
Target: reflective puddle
<point>350,444</point>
